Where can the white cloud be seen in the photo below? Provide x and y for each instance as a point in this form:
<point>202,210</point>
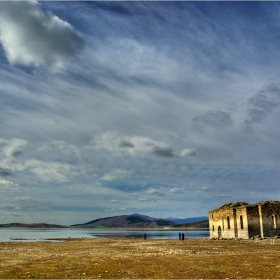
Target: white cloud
<point>120,144</point>
<point>117,209</point>
<point>23,198</point>
<point>51,171</point>
<point>187,152</point>
<point>154,191</point>
<point>33,37</point>
<point>143,199</point>
<point>13,214</point>
<point>6,183</point>
<point>177,190</point>
<point>115,174</point>
<point>114,201</point>
<point>224,195</point>
<point>58,150</point>
<point>7,206</point>
<point>14,147</point>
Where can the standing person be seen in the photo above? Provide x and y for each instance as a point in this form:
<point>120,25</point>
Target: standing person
<point>183,236</point>
<point>180,235</point>
<point>145,235</point>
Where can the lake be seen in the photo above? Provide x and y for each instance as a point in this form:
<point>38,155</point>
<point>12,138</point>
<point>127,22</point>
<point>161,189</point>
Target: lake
<point>39,234</point>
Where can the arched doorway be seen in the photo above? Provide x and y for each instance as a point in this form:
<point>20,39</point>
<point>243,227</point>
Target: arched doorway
<point>219,232</point>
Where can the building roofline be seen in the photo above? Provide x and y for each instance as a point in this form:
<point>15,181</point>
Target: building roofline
<point>234,205</point>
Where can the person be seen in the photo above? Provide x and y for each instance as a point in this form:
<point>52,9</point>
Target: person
<point>183,236</point>
<point>145,235</point>
<point>180,235</point>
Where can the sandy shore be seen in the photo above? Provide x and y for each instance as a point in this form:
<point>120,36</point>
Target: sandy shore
<point>138,258</point>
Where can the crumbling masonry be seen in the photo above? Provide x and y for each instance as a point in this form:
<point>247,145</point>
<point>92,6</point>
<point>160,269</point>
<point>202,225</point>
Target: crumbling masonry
<point>243,220</point>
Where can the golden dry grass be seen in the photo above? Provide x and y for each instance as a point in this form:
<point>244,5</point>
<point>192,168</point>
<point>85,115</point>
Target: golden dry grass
<point>137,258</point>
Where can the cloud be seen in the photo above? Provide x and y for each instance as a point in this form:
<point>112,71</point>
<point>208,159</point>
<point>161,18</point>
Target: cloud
<point>214,119</point>
<point>7,206</point>
<point>224,195</point>
<point>125,144</point>
<point>177,190</point>
<point>115,174</point>
<point>23,198</point>
<point>133,145</point>
<point>141,200</point>
<point>163,152</point>
<point>5,172</point>
<point>205,189</point>
<point>114,201</point>
<point>33,37</point>
<point>6,183</point>
<point>13,214</point>
<point>51,171</point>
<point>260,106</point>
<point>187,152</point>
<point>58,150</point>
<point>117,209</point>
<point>14,147</point>
<point>154,191</point>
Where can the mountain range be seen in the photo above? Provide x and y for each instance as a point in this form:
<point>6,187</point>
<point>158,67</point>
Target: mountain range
<point>142,221</point>
<point>127,221</point>
<point>177,221</point>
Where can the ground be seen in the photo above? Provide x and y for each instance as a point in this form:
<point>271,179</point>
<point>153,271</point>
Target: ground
<point>113,258</point>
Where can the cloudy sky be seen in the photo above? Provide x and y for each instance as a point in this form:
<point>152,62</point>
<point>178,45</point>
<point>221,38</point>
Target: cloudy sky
<point>159,108</point>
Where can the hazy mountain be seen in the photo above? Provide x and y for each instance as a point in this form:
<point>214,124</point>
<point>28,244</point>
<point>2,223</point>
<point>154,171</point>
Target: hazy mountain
<point>200,224</point>
<point>37,225</point>
<point>187,220</point>
<point>127,221</point>
<point>177,221</point>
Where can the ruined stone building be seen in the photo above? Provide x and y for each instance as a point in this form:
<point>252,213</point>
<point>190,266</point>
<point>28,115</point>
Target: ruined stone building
<point>243,220</point>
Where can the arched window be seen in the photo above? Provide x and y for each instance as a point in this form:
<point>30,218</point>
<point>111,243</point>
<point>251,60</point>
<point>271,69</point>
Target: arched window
<point>241,222</point>
<point>274,221</point>
<point>219,232</point>
<point>213,228</point>
<point>228,222</point>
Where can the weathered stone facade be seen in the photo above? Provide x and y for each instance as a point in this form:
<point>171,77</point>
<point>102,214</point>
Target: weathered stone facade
<point>243,220</point>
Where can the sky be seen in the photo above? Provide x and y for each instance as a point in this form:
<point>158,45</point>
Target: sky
<point>167,109</point>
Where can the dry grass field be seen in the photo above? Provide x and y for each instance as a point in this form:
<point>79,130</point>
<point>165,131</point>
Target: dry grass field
<point>137,258</point>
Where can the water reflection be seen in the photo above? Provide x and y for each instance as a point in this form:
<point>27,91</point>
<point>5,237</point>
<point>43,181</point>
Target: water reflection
<point>152,234</point>
<point>27,234</point>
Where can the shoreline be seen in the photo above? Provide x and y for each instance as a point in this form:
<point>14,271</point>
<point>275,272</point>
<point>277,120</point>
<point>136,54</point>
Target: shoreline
<point>20,234</point>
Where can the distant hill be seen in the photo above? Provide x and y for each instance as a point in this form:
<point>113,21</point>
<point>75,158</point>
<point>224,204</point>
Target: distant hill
<point>187,220</point>
<point>200,224</point>
<point>39,225</point>
<point>177,221</point>
<point>127,221</point>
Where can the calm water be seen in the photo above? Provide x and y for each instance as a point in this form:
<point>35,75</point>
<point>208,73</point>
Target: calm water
<point>8,234</point>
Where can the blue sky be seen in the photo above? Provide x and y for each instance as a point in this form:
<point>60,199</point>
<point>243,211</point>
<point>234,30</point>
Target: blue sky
<point>159,108</point>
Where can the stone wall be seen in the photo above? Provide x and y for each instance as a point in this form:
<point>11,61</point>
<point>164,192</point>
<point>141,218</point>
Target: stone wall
<point>245,220</point>
<point>242,223</point>
<point>271,215</point>
<point>219,219</point>
<point>253,221</point>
